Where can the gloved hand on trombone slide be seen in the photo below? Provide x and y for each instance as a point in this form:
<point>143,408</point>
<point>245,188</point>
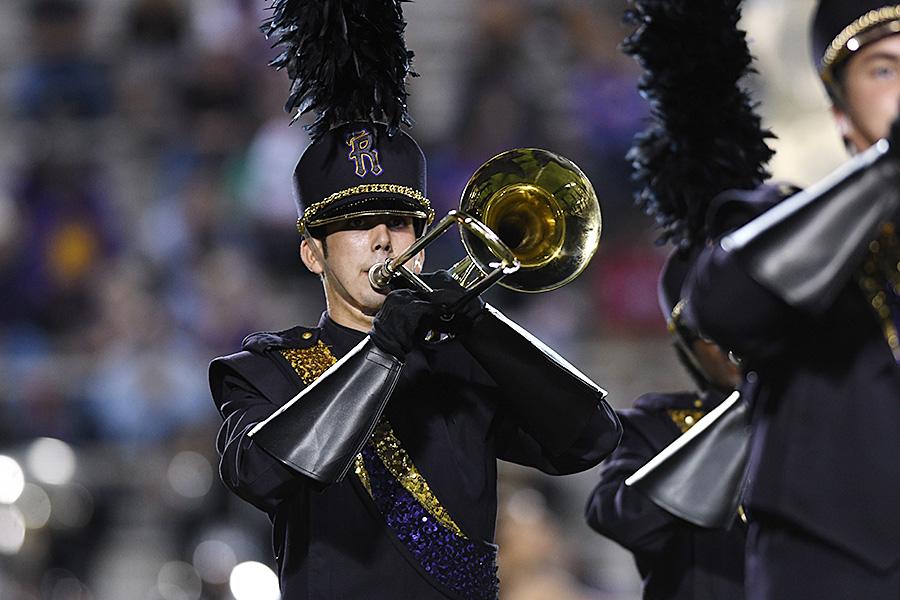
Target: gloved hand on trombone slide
<point>409,317</point>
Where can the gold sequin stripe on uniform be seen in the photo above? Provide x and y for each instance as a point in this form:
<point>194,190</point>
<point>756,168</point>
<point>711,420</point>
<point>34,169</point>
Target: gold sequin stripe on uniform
<point>310,363</point>
<point>369,188</point>
<point>879,276</point>
<point>843,45</point>
<point>400,465</point>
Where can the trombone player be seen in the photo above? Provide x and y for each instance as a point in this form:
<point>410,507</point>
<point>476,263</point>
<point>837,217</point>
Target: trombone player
<point>371,439</point>
<point>372,450</point>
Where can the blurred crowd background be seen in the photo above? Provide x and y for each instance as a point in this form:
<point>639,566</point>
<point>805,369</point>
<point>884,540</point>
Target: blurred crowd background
<point>147,225</point>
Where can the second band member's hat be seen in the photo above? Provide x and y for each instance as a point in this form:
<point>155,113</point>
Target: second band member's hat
<point>842,27</point>
<point>669,291</point>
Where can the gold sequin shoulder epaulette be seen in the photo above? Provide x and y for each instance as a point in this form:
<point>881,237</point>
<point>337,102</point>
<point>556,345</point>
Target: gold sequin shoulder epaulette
<point>311,361</point>
<point>684,419</point>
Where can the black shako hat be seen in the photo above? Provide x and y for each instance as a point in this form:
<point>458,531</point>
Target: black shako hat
<point>357,169</point>
<point>679,318</point>
<point>669,288</point>
<point>841,27</point>
<point>348,64</point>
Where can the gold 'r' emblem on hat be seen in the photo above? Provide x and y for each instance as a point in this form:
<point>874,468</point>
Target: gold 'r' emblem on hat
<point>363,154</point>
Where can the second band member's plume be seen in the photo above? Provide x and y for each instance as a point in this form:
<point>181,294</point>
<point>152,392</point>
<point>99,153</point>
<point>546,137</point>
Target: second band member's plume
<point>704,136</point>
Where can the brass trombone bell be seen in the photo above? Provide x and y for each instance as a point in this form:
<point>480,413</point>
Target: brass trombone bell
<point>528,219</point>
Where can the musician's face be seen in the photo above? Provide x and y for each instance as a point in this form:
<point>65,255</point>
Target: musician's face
<point>721,372</point>
<point>871,85</point>
<point>351,247</point>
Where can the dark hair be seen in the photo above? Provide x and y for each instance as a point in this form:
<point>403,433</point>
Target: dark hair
<point>837,88</point>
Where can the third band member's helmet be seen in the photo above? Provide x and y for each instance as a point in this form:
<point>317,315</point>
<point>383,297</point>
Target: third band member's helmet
<point>678,318</point>
<point>842,27</point>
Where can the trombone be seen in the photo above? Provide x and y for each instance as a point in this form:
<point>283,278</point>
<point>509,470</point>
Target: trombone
<point>529,219</point>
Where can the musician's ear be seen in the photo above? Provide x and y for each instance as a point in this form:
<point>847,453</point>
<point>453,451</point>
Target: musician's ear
<point>310,256</point>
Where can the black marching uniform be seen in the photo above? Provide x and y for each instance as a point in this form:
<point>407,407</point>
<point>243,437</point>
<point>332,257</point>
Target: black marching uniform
<point>451,420</point>
<point>679,511</point>
<point>807,295</point>
<point>823,483</point>
<point>676,559</point>
<point>374,453</point>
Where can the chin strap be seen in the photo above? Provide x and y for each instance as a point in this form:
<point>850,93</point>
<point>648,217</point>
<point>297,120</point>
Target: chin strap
<point>320,257</point>
<point>805,249</point>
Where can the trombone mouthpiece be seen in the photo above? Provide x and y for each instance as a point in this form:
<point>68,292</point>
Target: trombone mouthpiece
<point>380,276</point>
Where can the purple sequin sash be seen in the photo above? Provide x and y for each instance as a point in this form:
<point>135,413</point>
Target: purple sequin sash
<point>430,535</point>
<point>461,565</point>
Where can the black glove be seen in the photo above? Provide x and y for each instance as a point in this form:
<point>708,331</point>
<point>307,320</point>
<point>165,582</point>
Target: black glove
<point>403,321</point>
<point>447,292</point>
<point>407,316</point>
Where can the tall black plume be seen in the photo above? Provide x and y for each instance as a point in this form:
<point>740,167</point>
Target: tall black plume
<point>347,60</point>
<point>705,136</point>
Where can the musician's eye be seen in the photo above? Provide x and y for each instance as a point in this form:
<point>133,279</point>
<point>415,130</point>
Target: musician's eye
<point>883,72</point>
<point>397,222</point>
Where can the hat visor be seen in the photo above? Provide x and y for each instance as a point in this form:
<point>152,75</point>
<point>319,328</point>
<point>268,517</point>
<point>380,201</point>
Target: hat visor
<point>371,204</point>
<point>852,39</point>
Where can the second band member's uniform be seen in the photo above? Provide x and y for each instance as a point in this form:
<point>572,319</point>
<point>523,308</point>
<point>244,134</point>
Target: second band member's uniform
<point>676,559</point>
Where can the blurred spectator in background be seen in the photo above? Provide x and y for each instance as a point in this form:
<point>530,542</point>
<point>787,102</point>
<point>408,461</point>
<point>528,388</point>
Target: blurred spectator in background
<point>537,562</point>
<point>605,109</point>
<point>68,229</point>
<point>263,185</point>
<point>61,78</point>
<point>142,389</point>
<point>156,25</point>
